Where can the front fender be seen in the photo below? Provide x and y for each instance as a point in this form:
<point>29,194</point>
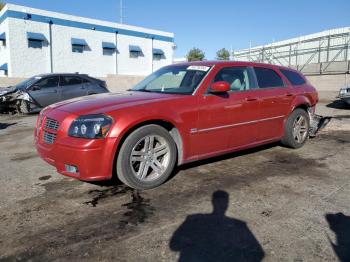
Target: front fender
<point>123,128</point>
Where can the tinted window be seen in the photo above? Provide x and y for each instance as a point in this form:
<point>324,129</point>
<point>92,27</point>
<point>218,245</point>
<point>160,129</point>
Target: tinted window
<point>135,54</point>
<point>48,82</point>
<point>108,51</point>
<point>35,43</point>
<point>83,80</point>
<point>267,78</point>
<point>237,77</point>
<point>293,77</point>
<point>158,57</point>
<point>71,80</point>
<point>77,48</point>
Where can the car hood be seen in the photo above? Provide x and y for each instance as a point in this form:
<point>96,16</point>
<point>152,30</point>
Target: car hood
<point>103,103</point>
<point>7,90</point>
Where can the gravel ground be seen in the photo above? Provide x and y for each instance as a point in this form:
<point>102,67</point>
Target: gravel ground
<point>269,203</point>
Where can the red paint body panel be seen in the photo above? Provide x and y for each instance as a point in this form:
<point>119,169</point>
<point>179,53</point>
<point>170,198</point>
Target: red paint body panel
<point>208,124</point>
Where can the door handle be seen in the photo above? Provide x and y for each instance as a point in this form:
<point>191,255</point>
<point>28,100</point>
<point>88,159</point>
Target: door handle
<point>289,94</point>
<point>250,99</point>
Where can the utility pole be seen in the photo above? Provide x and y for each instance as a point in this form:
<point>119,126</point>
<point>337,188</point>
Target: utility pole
<point>121,9</point>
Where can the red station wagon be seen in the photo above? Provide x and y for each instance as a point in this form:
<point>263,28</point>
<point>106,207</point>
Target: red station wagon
<point>180,113</point>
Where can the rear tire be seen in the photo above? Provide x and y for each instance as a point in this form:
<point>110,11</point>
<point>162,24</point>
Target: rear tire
<point>147,157</point>
<point>296,129</point>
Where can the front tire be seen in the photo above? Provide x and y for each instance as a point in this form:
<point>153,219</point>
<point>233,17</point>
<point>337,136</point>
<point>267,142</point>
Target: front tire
<point>147,157</point>
<point>296,130</point>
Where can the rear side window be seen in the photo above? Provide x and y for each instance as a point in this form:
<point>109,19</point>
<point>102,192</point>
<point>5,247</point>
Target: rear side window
<point>71,80</point>
<point>267,78</point>
<point>83,80</point>
<point>293,77</point>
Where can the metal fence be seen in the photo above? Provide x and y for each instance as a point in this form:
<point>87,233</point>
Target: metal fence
<point>321,54</point>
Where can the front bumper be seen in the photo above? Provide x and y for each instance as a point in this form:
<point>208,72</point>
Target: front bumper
<point>93,158</point>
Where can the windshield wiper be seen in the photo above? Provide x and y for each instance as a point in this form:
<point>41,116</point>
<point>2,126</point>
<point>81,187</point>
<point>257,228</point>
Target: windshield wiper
<point>142,90</point>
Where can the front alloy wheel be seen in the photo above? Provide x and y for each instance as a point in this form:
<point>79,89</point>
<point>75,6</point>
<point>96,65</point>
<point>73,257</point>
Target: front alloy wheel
<point>147,157</point>
<point>150,157</point>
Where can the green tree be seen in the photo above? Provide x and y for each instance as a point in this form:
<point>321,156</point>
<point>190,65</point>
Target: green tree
<point>223,54</point>
<point>195,54</point>
<point>2,4</point>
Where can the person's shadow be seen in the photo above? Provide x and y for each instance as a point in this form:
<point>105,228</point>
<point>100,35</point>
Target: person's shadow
<point>215,237</point>
<point>340,224</point>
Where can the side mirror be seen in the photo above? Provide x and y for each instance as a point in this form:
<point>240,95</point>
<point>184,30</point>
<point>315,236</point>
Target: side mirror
<point>35,88</point>
<point>220,87</point>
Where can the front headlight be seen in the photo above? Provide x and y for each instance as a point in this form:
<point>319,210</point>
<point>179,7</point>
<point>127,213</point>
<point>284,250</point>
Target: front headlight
<point>90,126</point>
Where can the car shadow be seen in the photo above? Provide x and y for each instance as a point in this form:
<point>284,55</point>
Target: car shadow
<point>6,125</point>
<point>224,157</point>
<point>338,104</point>
<point>114,182</point>
<point>215,236</point>
<point>340,225</point>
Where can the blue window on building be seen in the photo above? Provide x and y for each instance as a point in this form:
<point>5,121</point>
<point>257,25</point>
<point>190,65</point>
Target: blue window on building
<point>108,48</point>
<point>36,40</point>
<point>78,45</point>
<point>4,69</point>
<point>158,54</point>
<point>135,51</point>
<point>3,39</point>
<point>77,48</point>
<point>35,43</point>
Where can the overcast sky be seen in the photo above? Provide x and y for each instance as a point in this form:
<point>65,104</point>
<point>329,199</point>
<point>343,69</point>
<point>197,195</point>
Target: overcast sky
<point>211,25</point>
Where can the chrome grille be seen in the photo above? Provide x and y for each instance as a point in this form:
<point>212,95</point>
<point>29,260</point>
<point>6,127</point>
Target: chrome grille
<point>51,124</point>
<point>49,138</point>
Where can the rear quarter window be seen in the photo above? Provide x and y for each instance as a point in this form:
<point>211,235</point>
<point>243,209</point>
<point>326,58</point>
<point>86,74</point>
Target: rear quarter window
<point>71,80</point>
<point>267,78</point>
<point>293,77</point>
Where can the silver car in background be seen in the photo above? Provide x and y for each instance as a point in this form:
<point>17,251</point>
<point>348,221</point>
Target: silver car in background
<point>344,94</point>
<point>40,91</point>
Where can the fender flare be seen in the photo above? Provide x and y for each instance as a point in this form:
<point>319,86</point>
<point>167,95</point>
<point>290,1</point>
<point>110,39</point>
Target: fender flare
<point>300,101</point>
<point>176,132</point>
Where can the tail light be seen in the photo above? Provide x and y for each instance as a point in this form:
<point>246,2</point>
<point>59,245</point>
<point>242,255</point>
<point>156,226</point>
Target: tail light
<point>39,123</point>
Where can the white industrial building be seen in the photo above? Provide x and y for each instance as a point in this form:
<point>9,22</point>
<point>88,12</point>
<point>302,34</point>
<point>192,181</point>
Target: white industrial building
<point>34,41</point>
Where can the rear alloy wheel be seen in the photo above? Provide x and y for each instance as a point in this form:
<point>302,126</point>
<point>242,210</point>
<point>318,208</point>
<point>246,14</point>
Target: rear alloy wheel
<point>146,158</point>
<point>296,129</point>
<point>300,128</point>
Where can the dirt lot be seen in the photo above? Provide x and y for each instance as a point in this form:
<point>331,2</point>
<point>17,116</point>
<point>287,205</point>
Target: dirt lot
<point>271,203</point>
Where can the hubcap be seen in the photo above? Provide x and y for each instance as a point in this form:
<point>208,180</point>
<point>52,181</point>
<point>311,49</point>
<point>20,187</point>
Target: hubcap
<point>300,129</point>
<point>150,157</point>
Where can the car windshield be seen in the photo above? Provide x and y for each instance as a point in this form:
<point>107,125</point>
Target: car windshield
<point>28,82</point>
<point>174,79</point>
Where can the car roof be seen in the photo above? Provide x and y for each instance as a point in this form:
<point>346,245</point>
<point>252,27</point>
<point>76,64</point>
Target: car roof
<point>61,74</point>
<point>232,63</point>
